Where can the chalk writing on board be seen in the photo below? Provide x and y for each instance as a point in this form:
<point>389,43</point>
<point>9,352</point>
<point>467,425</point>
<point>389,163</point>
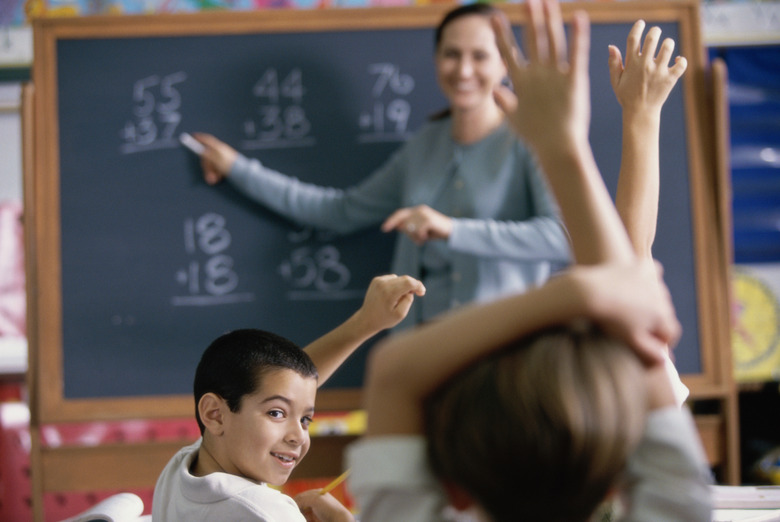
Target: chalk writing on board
<point>280,120</point>
<point>388,118</point>
<point>314,270</point>
<point>213,281</point>
<point>156,102</point>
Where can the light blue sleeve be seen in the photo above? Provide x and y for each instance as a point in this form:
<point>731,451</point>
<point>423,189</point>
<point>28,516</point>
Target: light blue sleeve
<point>339,210</point>
<point>536,239</point>
<point>540,237</point>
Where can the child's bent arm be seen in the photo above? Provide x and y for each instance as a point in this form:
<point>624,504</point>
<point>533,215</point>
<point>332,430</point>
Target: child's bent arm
<point>386,303</point>
<point>407,367</point>
<point>403,369</point>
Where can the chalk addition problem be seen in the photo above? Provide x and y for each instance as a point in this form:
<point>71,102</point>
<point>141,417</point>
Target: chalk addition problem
<point>280,119</point>
<point>387,119</point>
<point>209,278</point>
<point>155,103</point>
<point>314,270</point>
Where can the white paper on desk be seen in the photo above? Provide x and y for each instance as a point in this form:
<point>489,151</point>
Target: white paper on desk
<point>746,515</point>
<point>122,507</point>
<point>750,497</point>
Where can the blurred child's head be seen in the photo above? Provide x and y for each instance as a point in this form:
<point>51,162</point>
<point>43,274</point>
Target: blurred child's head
<point>254,399</point>
<point>540,430</point>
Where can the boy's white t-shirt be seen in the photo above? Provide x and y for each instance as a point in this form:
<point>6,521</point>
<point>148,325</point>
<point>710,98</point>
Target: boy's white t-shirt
<point>179,495</point>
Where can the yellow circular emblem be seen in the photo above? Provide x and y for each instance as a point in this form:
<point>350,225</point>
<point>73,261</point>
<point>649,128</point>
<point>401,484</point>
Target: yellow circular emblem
<point>755,335</point>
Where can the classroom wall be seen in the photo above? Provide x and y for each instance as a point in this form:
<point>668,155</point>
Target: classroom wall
<point>10,143</point>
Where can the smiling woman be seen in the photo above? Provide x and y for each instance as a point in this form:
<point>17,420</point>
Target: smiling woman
<point>473,213</point>
<point>468,68</point>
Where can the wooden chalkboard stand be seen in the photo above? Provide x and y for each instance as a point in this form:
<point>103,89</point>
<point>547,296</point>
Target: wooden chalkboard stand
<point>120,466</point>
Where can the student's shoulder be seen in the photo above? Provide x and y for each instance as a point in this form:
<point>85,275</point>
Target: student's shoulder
<point>181,459</point>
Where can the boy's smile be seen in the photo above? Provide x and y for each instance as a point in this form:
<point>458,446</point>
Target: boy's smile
<point>268,436</point>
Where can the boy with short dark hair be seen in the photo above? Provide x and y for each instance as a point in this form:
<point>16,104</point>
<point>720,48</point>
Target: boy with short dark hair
<point>254,395</point>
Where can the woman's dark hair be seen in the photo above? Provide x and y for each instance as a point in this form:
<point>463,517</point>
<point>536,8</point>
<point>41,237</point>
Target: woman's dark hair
<point>234,364</point>
<point>479,8</point>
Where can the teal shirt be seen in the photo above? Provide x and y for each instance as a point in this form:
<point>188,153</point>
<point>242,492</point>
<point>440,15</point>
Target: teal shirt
<point>507,234</point>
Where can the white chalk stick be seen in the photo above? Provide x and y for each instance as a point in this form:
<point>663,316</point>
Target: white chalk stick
<point>191,143</point>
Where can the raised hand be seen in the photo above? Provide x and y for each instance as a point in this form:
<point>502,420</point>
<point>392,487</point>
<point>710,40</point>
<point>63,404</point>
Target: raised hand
<point>388,300</point>
<point>646,79</point>
<point>551,103</point>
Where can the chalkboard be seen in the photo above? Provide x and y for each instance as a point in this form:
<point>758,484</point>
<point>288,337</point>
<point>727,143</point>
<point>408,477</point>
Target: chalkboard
<point>171,262</point>
<point>143,264</point>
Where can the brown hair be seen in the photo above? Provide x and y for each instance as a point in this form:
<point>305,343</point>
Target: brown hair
<point>480,9</point>
<point>541,429</point>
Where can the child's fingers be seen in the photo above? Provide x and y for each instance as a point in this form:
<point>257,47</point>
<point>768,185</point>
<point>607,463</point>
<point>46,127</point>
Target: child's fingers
<point>403,305</point>
<point>650,349</point>
<point>615,64</point>
<point>506,43</point>
<point>580,52</point>
<point>556,37</point>
<point>651,43</point>
<point>634,40</point>
<point>679,67</point>
<point>534,37</point>
<point>505,99</point>
<point>665,53</point>
<point>406,285</point>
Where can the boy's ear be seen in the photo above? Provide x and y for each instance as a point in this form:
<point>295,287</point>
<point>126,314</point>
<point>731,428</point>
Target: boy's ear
<point>210,409</point>
<point>459,498</point>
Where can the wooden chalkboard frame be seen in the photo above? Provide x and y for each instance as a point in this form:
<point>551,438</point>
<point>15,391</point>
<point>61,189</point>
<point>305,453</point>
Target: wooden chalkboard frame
<point>43,202</point>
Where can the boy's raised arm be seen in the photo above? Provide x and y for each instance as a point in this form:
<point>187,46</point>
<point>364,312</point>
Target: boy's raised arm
<point>408,366</point>
<point>550,109</point>
<point>386,303</point>
<point>642,86</point>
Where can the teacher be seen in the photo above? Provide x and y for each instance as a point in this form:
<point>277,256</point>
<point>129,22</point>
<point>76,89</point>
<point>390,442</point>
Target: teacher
<point>475,216</point>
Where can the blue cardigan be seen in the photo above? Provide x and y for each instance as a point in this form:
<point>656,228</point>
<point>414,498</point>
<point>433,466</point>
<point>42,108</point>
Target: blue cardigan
<point>507,234</point>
